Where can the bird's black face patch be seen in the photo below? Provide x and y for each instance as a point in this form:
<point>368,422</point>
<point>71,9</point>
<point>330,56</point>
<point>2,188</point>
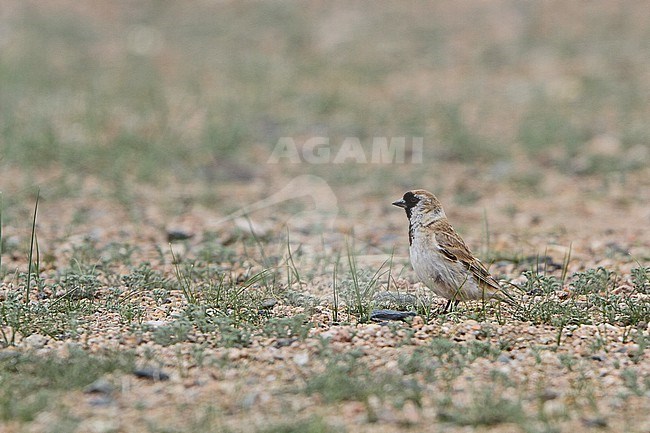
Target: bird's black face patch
<point>410,199</point>
<point>408,202</point>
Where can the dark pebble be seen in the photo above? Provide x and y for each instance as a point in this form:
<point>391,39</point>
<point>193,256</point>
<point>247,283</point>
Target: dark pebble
<point>382,315</point>
<point>178,235</point>
<point>594,422</point>
<point>284,342</point>
<point>548,394</point>
<point>151,373</point>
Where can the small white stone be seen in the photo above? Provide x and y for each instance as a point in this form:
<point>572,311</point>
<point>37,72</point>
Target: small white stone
<point>155,323</point>
<point>301,358</point>
<point>35,341</point>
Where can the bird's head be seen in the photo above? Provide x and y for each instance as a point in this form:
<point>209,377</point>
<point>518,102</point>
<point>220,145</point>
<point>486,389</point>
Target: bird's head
<point>419,203</point>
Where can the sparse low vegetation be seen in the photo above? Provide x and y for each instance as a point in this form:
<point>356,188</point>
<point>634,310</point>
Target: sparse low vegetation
<point>157,262</point>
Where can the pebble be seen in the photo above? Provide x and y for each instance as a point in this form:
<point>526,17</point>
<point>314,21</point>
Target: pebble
<point>99,426</point>
<point>249,400</point>
<point>410,413</point>
<point>235,354</point>
<point>338,334</point>
<point>284,342</point>
<point>591,422</point>
<point>632,349</point>
<point>268,303</point>
<point>101,400</point>
<point>100,386</point>
<point>355,410</point>
<point>301,359</point>
<point>548,394</point>
<point>554,408</point>
<point>9,353</point>
<point>151,373</point>
<point>384,315</point>
<point>178,235</point>
<point>155,323</point>
<point>504,358</point>
<point>35,341</point>
<point>252,228</point>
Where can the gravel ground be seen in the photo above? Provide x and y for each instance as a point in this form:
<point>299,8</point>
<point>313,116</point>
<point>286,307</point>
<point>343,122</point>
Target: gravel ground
<point>580,384</point>
<point>185,280</point>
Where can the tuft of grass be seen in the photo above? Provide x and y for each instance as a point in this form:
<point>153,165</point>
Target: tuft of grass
<point>297,326</point>
<point>446,359</point>
<point>57,319</point>
<point>487,407</point>
<point>79,283</point>
<point>419,362</point>
<point>638,386</point>
<point>359,288</point>
<point>34,382</point>
<point>641,279</point>
<point>589,300</point>
<point>184,280</point>
<point>347,378</point>
<point>199,320</point>
<point>175,332</point>
<point>233,334</point>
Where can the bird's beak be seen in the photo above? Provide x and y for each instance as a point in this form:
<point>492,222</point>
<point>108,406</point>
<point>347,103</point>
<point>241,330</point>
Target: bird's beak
<point>400,203</point>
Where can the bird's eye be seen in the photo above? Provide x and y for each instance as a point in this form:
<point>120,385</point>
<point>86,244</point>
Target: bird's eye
<point>411,199</point>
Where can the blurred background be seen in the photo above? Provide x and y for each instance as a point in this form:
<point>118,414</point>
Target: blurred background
<point>187,101</point>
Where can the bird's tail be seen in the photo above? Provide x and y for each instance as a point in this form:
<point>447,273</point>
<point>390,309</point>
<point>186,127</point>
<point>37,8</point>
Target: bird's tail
<point>506,296</point>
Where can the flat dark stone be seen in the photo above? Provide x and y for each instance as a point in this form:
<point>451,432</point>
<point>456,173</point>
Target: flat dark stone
<point>178,235</point>
<point>382,315</point>
<point>151,373</point>
<point>597,422</point>
<point>284,342</point>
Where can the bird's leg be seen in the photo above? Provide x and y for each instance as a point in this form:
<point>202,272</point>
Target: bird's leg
<point>450,306</point>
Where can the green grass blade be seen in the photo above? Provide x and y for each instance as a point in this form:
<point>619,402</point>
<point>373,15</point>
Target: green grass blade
<point>31,248</point>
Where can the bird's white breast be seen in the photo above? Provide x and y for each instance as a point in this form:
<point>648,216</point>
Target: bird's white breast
<point>446,278</point>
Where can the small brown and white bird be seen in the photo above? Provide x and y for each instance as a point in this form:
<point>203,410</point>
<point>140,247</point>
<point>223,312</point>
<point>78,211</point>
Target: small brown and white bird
<point>440,257</point>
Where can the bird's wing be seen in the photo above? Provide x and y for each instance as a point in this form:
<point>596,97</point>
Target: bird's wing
<point>454,249</point>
